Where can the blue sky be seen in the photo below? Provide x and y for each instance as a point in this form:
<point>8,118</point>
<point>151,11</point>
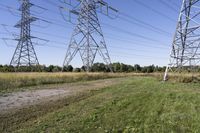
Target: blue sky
<point>123,43</point>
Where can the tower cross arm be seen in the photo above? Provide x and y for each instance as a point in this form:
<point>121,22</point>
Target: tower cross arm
<point>22,22</point>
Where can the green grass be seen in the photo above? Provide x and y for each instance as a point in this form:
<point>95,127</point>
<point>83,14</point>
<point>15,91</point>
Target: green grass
<point>140,104</point>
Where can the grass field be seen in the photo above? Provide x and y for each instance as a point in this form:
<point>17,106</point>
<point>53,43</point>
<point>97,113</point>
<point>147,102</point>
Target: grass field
<point>10,82</point>
<point>139,104</point>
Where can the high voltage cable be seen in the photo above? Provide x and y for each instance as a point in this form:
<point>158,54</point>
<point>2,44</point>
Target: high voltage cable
<point>63,48</point>
<point>62,25</point>
<point>148,26</point>
<point>55,46</point>
<point>168,5</point>
<point>131,33</point>
<point>129,57</point>
<point>42,19</point>
<point>64,44</point>
<point>153,10</point>
<point>145,27</point>
<point>140,22</point>
<point>118,54</point>
<point>109,26</point>
<point>172,1</point>
<point>151,27</point>
<point>129,49</point>
<point>111,37</point>
<point>153,57</point>
<point>144,23</point>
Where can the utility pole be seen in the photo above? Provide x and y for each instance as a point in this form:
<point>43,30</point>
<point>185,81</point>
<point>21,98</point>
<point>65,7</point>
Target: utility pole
<point>24,54</point>
<point>185,53</point>
<point>87,38</point>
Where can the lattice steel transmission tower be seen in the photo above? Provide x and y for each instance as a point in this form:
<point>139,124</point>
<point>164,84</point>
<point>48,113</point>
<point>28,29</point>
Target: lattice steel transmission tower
<point>185,52</point>
<point>24,54</point>
<point>87,38</point>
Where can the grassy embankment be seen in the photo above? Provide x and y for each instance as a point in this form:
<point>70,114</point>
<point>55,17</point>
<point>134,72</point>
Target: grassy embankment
<point>139,104</point>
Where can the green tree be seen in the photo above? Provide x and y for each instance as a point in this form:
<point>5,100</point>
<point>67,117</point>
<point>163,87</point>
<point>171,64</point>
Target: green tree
<point>137,68</point>
<point>77,70</point>
<point>123,68</point>
<point>50,68</point>
<point>130,68</point>
<point>116,67</point>
<point>68,68</point>
<point>99,67</point>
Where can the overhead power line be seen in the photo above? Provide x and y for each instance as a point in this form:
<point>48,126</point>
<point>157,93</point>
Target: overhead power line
<point>56,22</point>
<point>123,16</point>
<point>153,28</point>
<point>166,3</point>
<point>153,10</point>
<point>128,41</point>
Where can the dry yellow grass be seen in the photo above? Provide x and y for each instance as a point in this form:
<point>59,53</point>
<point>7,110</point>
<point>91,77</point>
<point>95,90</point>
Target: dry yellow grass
<point>12,81</point>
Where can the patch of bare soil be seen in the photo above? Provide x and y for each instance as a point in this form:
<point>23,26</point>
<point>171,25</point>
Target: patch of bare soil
<point>19,100</point>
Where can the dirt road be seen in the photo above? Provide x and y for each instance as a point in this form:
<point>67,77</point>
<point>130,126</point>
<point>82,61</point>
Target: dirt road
<point>19,100</point>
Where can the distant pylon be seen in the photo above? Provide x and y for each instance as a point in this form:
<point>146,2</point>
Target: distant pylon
<point>87,37</point>
<point>185,52</point>
<point>24,54</point>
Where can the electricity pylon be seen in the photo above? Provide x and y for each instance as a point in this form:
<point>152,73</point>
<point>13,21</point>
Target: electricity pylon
<point>24,54</point>
<point>87,37</point>
<point>185,52</point>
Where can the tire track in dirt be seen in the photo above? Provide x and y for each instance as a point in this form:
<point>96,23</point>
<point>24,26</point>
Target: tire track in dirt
<point>17,100</point>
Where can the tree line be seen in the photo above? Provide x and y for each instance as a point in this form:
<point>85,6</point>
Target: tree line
<point>97,67</point>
